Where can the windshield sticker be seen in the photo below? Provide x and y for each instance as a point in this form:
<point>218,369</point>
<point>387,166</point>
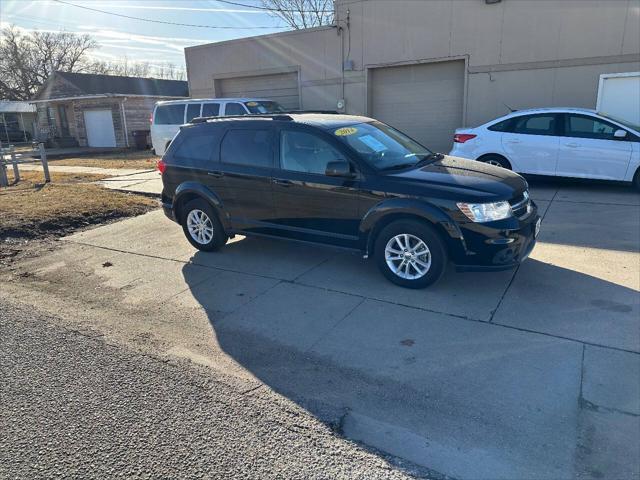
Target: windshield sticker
<point>344,131</point>
<point>251,104</point>
<point>372,143</point>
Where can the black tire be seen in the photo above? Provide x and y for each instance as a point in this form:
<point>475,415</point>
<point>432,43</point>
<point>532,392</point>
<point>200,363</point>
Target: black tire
<point>418,230</point>
<point>496,160</point>
<point>210,242</point>
<point>636,180</point>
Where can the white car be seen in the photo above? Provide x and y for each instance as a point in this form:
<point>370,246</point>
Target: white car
<point>168,116</point>
<point>563,142</point>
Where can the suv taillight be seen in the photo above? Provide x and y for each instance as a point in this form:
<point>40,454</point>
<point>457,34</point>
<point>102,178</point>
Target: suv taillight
<point>161,166</point>
<point>463,137</point>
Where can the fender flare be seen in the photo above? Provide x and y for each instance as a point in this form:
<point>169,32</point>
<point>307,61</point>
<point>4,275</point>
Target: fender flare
<point>194,188</point>
<point>408,207</point>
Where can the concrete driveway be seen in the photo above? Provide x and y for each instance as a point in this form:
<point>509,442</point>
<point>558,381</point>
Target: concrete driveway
<point>533,373</point>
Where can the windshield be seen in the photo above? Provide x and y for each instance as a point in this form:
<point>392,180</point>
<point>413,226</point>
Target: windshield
<point>623,122</point>
<point>264,106</point>
<point>382,146</point>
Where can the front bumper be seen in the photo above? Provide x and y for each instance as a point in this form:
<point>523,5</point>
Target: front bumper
<point>499,245</point>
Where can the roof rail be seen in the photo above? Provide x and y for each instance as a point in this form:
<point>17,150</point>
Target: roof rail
<point>273,116</point>
<point>328,112</point>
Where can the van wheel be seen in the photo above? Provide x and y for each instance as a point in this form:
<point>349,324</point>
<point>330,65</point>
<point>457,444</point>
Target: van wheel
<point>202,227</point>
<point>496,160</point>
<point>410,253</point>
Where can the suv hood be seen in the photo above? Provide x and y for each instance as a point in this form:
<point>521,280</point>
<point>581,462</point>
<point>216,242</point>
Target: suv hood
<point>466,176</point>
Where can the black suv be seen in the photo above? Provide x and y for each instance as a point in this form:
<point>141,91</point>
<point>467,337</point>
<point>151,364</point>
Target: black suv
<point>349,182</point>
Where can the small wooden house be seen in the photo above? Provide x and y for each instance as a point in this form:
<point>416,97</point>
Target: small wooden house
<point>80,109</point>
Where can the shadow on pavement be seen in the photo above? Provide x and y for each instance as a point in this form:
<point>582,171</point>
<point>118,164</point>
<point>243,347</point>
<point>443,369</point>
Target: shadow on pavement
<point>462,397</point>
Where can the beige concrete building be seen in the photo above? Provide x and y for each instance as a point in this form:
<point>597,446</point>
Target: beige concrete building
<point>430,66</point>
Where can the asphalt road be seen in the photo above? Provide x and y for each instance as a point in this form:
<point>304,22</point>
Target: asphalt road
<point>75,406</point>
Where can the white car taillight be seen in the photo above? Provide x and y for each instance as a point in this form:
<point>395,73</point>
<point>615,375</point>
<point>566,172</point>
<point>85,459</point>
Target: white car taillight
<point>463,137</point>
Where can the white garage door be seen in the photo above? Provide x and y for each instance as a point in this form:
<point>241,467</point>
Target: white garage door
<point>281,87</point>
<point>424,101</point>
<point>99,126</point>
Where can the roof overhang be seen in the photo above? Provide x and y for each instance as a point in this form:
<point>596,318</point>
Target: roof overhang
<point>101,95</point>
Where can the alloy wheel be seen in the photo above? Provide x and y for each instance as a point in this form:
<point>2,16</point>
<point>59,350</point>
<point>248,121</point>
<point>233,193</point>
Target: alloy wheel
<point>407,256</point>
<point>200,226</point>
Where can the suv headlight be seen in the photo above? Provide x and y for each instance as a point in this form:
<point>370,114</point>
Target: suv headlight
<point>486,212</point>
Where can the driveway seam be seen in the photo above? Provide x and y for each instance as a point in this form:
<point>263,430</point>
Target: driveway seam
<point>321,337</point>
<point>280,280</point>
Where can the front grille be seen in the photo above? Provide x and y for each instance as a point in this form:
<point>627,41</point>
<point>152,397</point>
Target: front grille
<point>521,205</point>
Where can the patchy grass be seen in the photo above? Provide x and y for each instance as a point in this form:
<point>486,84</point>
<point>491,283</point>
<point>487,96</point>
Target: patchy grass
<point>31,209</point>
<point>139,159</point>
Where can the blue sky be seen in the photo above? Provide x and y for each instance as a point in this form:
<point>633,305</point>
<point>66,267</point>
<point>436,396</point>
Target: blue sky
<point>138,40</point>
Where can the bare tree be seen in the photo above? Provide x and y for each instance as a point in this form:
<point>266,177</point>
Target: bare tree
<point>300,14</point>
<point>27,60</point>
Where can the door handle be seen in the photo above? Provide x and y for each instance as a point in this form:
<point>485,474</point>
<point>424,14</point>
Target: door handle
<point>215,174</point>
<point>514,141</point>
<point>283,183</point>
<point>571,145</point>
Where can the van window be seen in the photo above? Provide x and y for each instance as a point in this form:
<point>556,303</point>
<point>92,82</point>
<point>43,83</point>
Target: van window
<point>170,114</point>
<point>247,147</point>
<point>193,111</point>
<point>210,109</point>
<point>234,109</point>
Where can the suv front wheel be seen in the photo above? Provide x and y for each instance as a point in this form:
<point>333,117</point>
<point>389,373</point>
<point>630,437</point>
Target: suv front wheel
<point>410,253</point>
<point>202,227</point>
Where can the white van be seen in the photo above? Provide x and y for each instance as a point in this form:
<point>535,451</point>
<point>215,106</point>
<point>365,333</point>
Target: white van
<point>168,116</point>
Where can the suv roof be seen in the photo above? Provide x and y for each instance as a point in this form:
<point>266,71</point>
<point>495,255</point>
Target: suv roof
<point>322,120</point>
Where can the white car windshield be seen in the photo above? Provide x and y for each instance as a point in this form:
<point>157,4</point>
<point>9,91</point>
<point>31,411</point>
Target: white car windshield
<point>382,146</point>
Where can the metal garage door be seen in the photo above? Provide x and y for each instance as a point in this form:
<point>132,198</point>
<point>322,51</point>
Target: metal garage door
<point>282,87</point>
<point>99,126</point>
<point>425,101</point>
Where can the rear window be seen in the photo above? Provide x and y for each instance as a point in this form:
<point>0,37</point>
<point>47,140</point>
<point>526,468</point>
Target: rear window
<point>504,126</point>
<point>247,147</point>
<point>196,147</point>
<point>169,114</point>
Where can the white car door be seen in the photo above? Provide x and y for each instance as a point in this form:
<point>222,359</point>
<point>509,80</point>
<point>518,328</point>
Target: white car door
<point>588,149</point>
<point>531,143</point>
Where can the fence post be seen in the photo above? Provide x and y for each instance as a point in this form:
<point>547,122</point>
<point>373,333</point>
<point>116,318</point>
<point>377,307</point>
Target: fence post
<point>14,161</point>
<point>4,181</point>
<point>45,165</point>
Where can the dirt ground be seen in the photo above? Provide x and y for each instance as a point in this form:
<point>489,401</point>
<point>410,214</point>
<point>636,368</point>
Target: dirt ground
<point>35,213</point>
<point>143,160</point>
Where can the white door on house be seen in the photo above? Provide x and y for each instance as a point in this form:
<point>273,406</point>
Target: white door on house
<point>99,126</point>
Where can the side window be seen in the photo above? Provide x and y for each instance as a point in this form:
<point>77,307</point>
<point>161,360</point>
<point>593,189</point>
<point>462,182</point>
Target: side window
<point>193,111</point>
<point>197,147</point>
<point>247,147</point>
<point>305,152</point>
<point>170,114</point>
<point>503,126</point>
<point>210,109</point>
<point>535,124</point>
<point>234,109</point>
<point>583,126</point>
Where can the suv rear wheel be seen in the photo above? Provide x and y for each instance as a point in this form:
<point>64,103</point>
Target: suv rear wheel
<point>202,227</point>
<point>410,253</point>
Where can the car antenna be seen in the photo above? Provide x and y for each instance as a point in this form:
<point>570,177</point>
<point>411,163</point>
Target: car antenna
<point>510,109</point>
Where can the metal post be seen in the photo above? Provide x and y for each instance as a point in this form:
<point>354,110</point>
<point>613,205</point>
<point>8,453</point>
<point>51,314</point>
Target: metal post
<point>4,182</point>
<point>45,165</point>
<point>14,161</point>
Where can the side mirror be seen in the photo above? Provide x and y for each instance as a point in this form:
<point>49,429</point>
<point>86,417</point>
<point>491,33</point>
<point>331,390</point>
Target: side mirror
<point>620,134</point>
<point>339,168</point>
